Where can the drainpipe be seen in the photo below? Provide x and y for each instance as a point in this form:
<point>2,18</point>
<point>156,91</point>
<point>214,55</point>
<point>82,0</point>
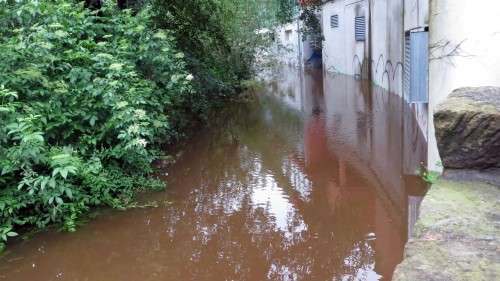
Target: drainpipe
<point>370,44</point>
<point>298,43</point>
<point>403,92</point>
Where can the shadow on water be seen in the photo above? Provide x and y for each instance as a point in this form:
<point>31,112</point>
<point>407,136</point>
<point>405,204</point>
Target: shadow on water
<point>314,180</point>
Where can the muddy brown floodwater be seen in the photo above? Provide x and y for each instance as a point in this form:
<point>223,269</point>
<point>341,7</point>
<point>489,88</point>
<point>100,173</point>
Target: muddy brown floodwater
<point>314,180</point>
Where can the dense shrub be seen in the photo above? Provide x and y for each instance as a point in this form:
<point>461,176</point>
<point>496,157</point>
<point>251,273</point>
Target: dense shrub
<point>199,30</point>
<point>85,98</point>
<point>218,37</point>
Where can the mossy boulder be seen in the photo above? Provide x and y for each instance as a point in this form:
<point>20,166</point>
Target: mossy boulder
<point>468,128</point>
<point>457,236</point>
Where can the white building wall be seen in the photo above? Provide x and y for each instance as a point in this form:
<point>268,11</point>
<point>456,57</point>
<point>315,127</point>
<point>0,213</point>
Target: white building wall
<point>291,49</point>
<point>389,20</point>
<point>288,48</point>
<point>333,46</point>
<point>357,52</point>
<point>387,45</point>
<point>474,26</point>
<point>416,13</point>
<point>341,52</point>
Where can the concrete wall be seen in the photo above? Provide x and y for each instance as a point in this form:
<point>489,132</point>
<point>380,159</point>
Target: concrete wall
<point>472,29</point>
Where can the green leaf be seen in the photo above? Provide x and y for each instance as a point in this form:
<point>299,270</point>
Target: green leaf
<point>59,200</point>
<point>55,172</point>
<point>64,173</point>
<point>60,34</point>
<point>52,182</point>
<point>69,193</point>
<point>160,35</point>
<point>44,183</point>
<point>92,120</point>
<point>116,66</point>
<point>5,109</point>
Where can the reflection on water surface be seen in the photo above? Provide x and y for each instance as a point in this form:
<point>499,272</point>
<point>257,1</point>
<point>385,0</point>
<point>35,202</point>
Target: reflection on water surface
<point>315,180</point>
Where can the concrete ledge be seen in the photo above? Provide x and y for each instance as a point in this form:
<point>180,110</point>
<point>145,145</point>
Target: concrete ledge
<point>457,235</point>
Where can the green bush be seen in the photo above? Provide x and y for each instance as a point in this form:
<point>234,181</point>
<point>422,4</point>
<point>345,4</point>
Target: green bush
<point>85,99</point>
<point>218,37</point>
<point>199,31</point>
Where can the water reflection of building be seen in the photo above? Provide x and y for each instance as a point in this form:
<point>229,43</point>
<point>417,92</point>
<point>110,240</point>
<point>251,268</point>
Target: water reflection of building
<point>357,154</point>
<point>385,42</point>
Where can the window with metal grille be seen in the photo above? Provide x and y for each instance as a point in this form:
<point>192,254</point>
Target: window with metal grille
<point>416,67</point>
<point>360,28</point>
<point>334,21</point>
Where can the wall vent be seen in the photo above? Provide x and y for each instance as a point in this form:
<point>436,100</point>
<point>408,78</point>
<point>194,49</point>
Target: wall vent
<point>407,66</point>
<point>334,21</point>
<point>360,28</point>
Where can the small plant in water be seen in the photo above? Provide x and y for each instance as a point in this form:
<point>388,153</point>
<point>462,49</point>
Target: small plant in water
<point>5,233</point>
<point>428,176</point>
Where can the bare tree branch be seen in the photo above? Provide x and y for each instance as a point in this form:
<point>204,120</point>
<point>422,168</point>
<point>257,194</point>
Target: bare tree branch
<point>446,51</point>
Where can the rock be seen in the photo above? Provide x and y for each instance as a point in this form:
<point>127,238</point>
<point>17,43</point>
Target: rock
<point>468,128</point>
<point>457,236</point>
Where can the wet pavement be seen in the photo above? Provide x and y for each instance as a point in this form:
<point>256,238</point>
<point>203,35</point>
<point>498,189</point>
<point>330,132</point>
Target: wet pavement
<point>313,180</point>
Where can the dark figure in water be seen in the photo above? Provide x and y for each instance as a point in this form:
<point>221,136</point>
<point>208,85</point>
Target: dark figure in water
<point>97,4</point>
<point>93,4</point>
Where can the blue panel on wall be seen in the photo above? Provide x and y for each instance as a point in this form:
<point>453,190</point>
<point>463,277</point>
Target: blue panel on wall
<point>419,67</point>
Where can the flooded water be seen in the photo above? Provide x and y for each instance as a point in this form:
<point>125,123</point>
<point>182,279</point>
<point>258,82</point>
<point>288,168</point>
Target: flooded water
<point>314,180</point>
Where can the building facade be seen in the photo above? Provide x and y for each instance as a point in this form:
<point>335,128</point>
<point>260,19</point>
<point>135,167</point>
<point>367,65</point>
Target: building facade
<point>368,39</point>
<point>385,41</point>
<point>419,50</point>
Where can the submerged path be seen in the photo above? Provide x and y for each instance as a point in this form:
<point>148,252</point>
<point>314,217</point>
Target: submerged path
<point>314,180</point>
